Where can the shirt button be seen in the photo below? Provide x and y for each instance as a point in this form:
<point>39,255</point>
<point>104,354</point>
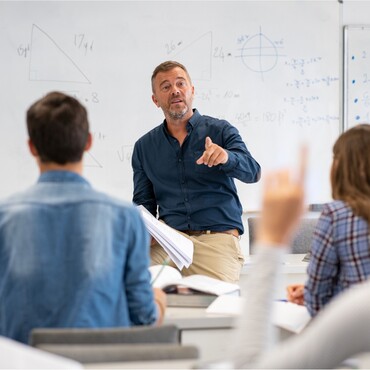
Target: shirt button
<point>186,199</point>
<point>179,159</point>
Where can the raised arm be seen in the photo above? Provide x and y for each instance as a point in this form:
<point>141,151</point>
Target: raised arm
<point>337,332</point>
<point>281,210</point>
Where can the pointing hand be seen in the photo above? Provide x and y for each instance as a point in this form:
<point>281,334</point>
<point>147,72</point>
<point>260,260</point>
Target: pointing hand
<point>213,154</point>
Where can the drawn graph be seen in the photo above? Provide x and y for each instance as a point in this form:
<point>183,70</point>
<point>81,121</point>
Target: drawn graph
<point>260,54</point>
<point>49,62</point>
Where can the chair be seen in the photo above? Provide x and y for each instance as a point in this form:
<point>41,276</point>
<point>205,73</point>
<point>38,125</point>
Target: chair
<point>144,343</point>
<point>302,240</point>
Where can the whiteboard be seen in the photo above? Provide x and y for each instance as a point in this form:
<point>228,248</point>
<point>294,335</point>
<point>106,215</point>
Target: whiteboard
<point>356,75</point>
<point>271,68</point>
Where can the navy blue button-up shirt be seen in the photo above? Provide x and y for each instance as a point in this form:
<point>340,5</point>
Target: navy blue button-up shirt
<point>191,196</point>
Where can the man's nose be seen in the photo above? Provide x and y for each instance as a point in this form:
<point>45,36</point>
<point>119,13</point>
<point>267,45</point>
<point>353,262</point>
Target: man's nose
<point>175,90</point>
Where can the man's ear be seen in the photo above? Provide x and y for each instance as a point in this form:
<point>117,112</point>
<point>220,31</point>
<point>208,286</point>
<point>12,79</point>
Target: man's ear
<point>155,101</point>
<point>88,142</point>
<point>32,148</point>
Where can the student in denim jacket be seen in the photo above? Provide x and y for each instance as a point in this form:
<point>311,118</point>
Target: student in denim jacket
<point>70,256</point>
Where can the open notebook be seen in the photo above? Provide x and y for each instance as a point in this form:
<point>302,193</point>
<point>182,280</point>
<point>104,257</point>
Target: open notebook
<point>193,290</point>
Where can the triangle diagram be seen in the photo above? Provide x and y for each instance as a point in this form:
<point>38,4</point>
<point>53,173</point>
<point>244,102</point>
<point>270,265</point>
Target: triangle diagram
<point>49,62</point>
<point>198,56</point>
<point>90,161</point>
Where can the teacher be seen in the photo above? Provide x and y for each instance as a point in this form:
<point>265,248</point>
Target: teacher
<point>184,171</point>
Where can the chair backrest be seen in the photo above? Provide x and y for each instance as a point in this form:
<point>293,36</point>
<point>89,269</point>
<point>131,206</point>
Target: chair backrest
<point>137,334</point>
<point>303,237</point>
<point>106,353</point>
<point>139,343</point>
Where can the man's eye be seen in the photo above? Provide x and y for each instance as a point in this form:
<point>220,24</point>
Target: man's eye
<point>165,87</point>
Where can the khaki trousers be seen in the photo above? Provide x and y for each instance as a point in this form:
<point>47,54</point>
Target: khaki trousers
<point>216,255</point>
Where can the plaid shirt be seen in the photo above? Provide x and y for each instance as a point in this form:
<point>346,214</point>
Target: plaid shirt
<point>340,255</point>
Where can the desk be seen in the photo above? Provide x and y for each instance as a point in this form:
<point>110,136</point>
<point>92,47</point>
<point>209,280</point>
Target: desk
<point>209,332</point>
<point>212,333</point>
<point>293,271</point>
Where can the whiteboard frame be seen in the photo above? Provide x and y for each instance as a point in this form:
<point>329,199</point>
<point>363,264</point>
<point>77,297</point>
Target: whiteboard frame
<point>346,84</point>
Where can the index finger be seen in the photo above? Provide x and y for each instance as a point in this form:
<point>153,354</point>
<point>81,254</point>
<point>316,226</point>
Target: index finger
<point>302,167</point>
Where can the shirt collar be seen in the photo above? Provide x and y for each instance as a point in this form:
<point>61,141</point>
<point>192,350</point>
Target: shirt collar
<point>62,176</point>
<point>193,121</point>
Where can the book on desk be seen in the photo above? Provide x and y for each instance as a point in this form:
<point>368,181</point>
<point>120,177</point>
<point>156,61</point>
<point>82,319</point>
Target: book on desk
<point>189,291</point>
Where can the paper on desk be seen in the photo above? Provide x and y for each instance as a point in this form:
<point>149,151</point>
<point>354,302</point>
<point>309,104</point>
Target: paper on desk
<point>286,315</point>
<point>290,316</point>
<point>179,248</point>
<point>226,304</point>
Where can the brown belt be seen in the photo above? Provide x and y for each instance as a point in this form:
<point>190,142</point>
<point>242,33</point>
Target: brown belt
<point>234,232</point>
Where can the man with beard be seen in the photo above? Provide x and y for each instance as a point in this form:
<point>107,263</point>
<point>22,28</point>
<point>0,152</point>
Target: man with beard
<point>184,171</point>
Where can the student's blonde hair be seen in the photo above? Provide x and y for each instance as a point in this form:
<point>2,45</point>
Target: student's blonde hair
<point>350,174</point>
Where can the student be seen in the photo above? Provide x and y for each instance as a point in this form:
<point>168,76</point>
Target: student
<point>340,253</point>
<point>70,256</point>
<point>338,332</point>
<point>185,168</point>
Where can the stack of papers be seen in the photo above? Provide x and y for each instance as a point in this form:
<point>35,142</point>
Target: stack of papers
<point>178,248</point>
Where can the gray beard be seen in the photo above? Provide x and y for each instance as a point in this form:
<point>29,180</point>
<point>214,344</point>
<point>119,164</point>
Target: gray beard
<point>178,115</point>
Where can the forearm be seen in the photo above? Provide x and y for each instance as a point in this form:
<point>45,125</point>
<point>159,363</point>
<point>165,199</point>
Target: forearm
<point>255,329</point>
<point>160,300</point>
<point>322,278</point>
<point>242,166</point>
<point>143,194</point>
<point>143,188</point>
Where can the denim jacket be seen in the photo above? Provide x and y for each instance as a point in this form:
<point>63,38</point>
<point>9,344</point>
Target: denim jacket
<point>71,257</point>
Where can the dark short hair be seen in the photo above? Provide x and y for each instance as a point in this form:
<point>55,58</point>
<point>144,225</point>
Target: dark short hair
<point>167,66</point>
<point>58,128</point>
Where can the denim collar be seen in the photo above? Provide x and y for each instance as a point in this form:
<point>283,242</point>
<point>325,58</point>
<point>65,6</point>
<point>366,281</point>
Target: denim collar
<point>62,176</point>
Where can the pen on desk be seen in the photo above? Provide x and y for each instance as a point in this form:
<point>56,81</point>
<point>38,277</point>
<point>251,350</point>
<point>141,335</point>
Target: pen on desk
<point>165,262</point>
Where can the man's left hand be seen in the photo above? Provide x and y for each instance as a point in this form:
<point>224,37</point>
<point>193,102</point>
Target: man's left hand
<point>213,154</point>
